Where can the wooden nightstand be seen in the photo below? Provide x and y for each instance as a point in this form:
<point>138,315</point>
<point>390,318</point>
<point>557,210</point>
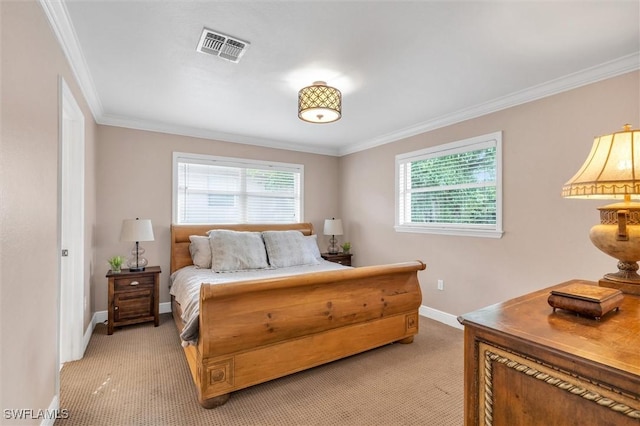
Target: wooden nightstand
<point>134,297</point>
<point>341,258</point>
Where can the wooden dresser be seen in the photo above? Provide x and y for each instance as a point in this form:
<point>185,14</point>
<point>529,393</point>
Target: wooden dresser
<point>528,365</point>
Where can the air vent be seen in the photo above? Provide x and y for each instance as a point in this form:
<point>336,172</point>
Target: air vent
<point>221,45</point>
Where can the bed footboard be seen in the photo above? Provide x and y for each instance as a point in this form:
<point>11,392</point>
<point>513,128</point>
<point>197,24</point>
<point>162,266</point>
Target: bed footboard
<point>255,331</point>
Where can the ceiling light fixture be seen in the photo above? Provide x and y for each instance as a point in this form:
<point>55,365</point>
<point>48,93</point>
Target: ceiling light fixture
<point>319,103</point>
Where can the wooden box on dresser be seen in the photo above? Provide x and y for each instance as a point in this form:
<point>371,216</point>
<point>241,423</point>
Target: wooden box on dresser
<point>133,297</point>
<point>528,365</point>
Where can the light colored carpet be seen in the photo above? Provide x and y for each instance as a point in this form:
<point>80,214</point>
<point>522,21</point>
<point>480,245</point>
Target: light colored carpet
<point>139,376</point>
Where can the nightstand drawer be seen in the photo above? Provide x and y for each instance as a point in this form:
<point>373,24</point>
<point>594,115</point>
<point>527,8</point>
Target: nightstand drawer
<point>132,283</point>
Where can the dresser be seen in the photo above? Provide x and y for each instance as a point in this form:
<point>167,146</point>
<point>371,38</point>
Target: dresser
<point>528,365</point>
<point>133,297</point>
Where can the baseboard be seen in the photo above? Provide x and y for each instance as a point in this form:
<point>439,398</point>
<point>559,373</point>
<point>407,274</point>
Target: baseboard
<point>87,334</point>
<point>443,317</point>
<point>165,307</point>
<point>50,414</point>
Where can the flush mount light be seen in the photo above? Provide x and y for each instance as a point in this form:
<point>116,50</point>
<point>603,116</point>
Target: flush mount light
<point>319,103</point>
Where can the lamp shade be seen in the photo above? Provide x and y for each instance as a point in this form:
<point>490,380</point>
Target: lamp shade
<point>136,230</point>
<point>612,169</point>
<point>319,103</point>
<point>333,227</point>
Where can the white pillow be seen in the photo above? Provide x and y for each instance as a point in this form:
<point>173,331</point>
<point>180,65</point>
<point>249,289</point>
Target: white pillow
<point>288,248</point>
<point>200,251</point>
<point>312,245</point>
<point>237,251</point>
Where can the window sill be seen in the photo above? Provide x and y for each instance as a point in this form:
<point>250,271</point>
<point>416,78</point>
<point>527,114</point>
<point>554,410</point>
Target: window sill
<point>483,233</point>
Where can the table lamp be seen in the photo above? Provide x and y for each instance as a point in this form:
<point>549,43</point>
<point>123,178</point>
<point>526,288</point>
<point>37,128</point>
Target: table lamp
<point>136,230</point>
<point>333,227</point>
<point>612,171</point>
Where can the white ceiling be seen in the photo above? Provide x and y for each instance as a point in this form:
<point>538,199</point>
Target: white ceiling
<point>404,67</point>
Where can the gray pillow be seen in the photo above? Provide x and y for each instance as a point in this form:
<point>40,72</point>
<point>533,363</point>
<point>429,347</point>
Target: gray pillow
<point>200,251</point>
<point>237,251</point>
<point>288,248</point>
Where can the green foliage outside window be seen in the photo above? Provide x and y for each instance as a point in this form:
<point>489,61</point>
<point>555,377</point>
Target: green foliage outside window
<point>456,188</point>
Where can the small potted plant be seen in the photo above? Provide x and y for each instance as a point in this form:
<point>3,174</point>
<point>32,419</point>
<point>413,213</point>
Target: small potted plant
<point>116,263</point>
<point>346,246</point>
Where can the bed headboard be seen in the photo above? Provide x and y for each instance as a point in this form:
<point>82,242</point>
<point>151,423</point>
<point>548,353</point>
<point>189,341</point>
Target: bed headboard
<point>180,256</point>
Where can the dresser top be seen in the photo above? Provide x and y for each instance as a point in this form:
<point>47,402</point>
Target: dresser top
<point>613,340</point>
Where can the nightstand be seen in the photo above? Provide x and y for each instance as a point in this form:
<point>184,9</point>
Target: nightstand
<point>341,258</point>
<point>134,297</point>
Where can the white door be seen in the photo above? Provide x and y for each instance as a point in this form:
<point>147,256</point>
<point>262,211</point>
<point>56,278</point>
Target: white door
<point>71,184</point>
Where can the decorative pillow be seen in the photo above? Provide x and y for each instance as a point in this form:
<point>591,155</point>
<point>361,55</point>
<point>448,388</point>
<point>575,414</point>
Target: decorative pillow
<point>237,251</point>
<point>312,245</point>
<point>200,251</point>
<point>288,248</point>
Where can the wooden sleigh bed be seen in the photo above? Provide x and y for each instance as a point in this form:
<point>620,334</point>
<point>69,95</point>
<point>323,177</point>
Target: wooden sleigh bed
<point>254,331</point>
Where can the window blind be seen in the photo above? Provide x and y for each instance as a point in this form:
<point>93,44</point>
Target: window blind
<point>219,190</point>
<point>451,187</point>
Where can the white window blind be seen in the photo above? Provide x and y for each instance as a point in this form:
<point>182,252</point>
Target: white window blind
<point>454,188</point>
<point>211,189</point>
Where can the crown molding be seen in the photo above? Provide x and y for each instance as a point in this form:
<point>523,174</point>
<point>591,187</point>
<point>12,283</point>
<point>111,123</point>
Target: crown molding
<point>60,22</point>
<point>151,126</point>
<point>587,76</point>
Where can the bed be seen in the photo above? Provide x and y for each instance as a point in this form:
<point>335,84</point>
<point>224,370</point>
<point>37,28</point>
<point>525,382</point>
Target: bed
<point>255,330</point>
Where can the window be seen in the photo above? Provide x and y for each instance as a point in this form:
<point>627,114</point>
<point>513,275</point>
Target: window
<point>208,189</point>
<point>454,188</point>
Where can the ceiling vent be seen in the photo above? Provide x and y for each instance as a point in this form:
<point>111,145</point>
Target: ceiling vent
<point>221,45</point>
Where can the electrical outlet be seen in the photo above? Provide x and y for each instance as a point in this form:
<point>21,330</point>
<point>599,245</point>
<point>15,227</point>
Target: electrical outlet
<point>440,284</point>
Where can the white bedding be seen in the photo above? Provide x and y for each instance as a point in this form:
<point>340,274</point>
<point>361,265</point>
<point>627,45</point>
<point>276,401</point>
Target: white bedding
<point>185,287</point>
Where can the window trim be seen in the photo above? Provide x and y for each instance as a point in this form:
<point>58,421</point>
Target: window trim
<point>465,145</point>
<point>233,162</point>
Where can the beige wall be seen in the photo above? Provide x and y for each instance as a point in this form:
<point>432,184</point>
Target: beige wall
<point>546,237</point>
<point>32,62</point>
<point>134,179</point>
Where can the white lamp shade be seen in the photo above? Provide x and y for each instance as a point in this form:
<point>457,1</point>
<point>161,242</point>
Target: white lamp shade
<point>612,169</point>
<point>333,227</point>
<point>136,230</point>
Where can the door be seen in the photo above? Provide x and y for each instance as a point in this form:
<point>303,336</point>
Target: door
<point>71,184</point>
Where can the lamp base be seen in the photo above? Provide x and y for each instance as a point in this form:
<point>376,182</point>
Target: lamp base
<point>134,269</point>
<point>618,235</point>
<point>627,287</point>
<point>333,245</point>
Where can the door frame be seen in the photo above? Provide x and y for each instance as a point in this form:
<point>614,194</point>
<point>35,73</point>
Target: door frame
<point>72,300</point>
